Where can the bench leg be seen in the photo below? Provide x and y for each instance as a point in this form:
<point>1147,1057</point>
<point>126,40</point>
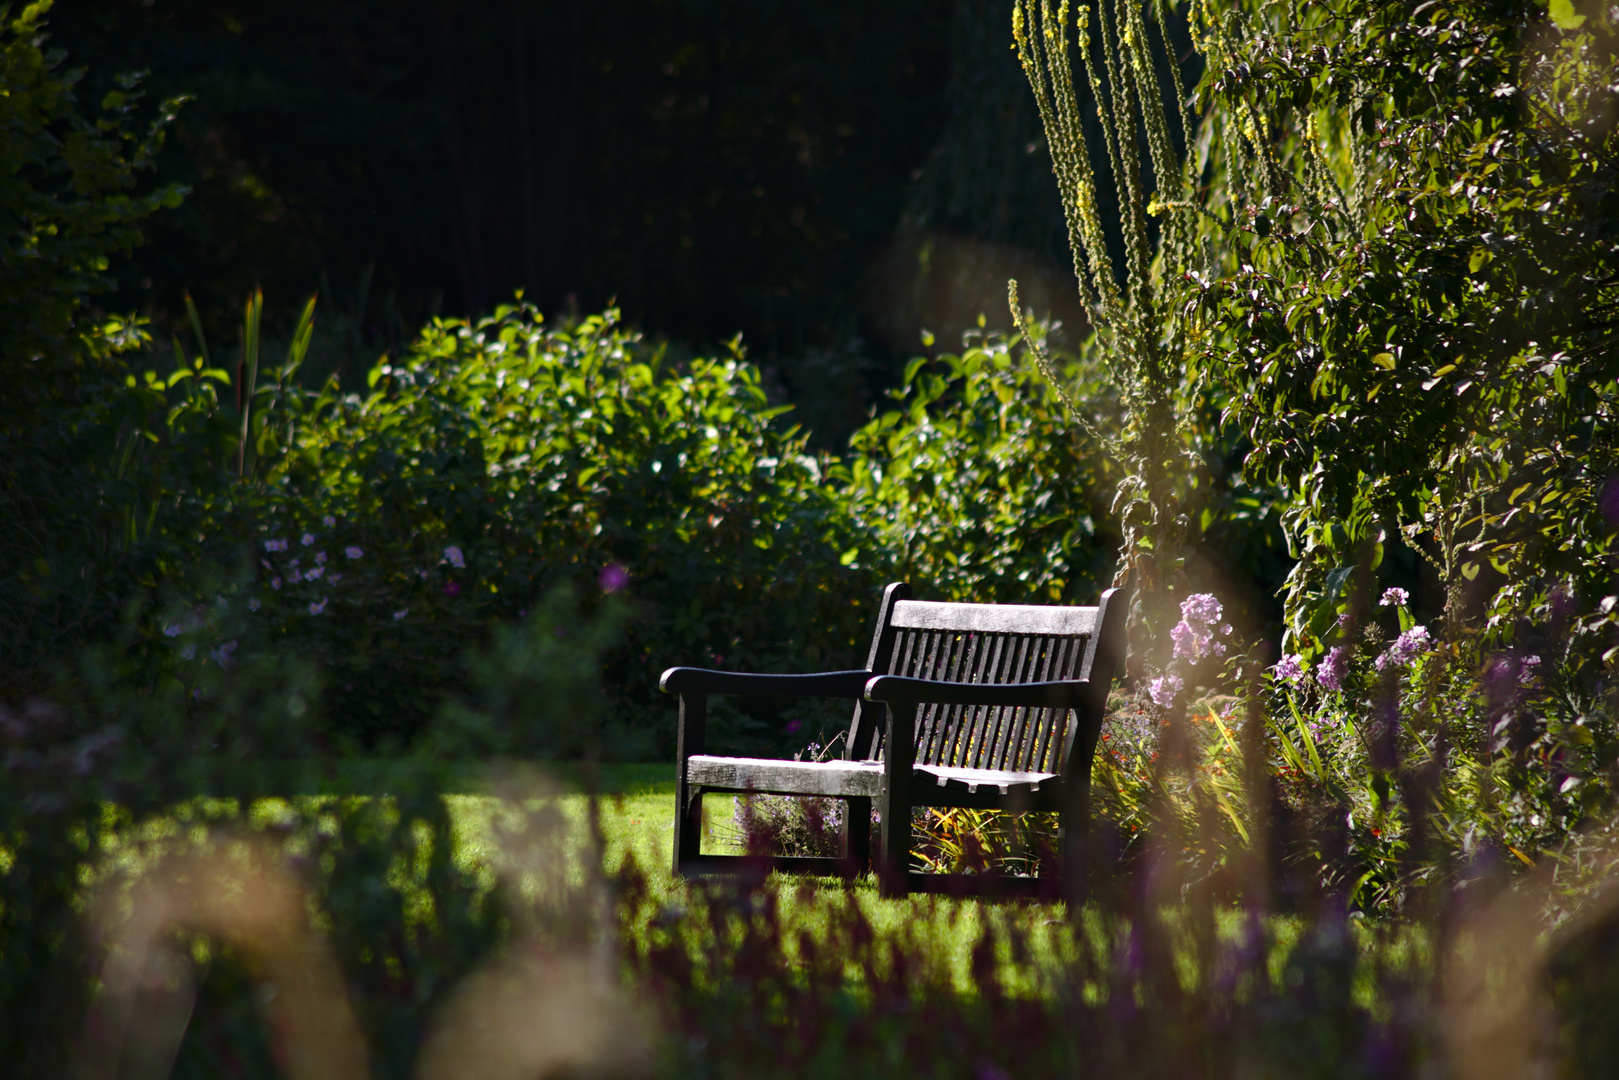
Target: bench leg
<point>899,751</point>
<point>688,828</point>
<point>691,739</point>
<point>857,839</point>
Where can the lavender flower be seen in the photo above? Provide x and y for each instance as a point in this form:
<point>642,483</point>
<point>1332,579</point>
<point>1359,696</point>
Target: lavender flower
<point>1406,648</point>
<point>352,552</point>
<point>316,609</point>
<point>329,521</point>
<point>275,545</point>
<point>454,556</point>
<point>1290,670</point>
<point>1394,597</point>
<point>1162,690</point>
<point>172,630</point>
<point>189,651</point>
<point>308,538</point>
<point>1331,672</point>
<point>1194,633</point>
<point>252,603</point>
<point>275,583</point>
<point>401,613</point>
<point>314,572</point>
<point>320,558</point>
<point>1201,608</point>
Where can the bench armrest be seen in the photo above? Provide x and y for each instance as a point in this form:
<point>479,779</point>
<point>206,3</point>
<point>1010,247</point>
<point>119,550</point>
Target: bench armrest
<point>900,690</point>
<point>835,684</point>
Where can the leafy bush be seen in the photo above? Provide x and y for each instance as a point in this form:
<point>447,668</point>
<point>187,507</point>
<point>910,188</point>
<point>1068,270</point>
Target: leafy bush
<point>979,487</point>
<point>70,200</point>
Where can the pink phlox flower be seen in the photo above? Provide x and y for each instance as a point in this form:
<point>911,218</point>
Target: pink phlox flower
<point>1406,648</point>
<point>1201,608</point>
<point>1290,669</point>
<point>1394,597</point>
<point>613,578</point>
<point>1331,672</point>
<point>1185,637</point>
<point>1163,689</point>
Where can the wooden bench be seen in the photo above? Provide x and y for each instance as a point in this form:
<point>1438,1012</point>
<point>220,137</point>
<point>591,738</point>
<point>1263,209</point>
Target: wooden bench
<point>991,706</point>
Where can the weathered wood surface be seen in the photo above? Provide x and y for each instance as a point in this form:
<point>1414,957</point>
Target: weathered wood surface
<point>773,776</point>
<point>1019,619</point>
<point>834,684</point>
<point>776,777</point>
<point>992,706</point>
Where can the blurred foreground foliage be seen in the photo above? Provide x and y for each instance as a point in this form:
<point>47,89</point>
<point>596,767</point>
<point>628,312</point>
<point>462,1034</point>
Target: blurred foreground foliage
<point>1396,408</point>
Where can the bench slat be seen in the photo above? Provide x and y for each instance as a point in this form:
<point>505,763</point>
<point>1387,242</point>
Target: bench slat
<point>1002,618</point>
<point>847,778</point>
<point>839,777</point>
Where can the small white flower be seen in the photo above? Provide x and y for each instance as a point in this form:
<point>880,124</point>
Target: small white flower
<point>352,552</point>
<point>453,554</point>
<point>401,613</point>
<point>309,538</point>
<point>316,609</point>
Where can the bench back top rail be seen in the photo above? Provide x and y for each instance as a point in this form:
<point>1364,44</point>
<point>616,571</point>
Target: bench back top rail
<point>989,643</point>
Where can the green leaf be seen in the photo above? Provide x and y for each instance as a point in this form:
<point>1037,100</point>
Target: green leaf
<point>1562,13</point>
<point>1384,360</point>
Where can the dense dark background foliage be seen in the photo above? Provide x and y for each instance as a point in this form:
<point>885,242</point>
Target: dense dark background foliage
<point>713,165</point>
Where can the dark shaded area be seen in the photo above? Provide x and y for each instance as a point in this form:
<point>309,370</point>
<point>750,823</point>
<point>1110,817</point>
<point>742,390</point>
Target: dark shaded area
<point>713,166</point>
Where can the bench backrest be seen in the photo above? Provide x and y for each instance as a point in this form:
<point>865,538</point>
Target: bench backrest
<point>1000,643</point>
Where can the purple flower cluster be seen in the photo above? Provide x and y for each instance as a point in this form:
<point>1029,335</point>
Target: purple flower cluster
<point>1162,690</point>
<point>1406,648</point>
<point>1394,597</point>
<point>1194,634</point>
<point>1290,670</point>
<point>1332,671</point>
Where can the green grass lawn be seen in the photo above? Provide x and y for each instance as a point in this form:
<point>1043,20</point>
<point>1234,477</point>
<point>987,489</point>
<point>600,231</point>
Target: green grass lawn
<point>635,803</point>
